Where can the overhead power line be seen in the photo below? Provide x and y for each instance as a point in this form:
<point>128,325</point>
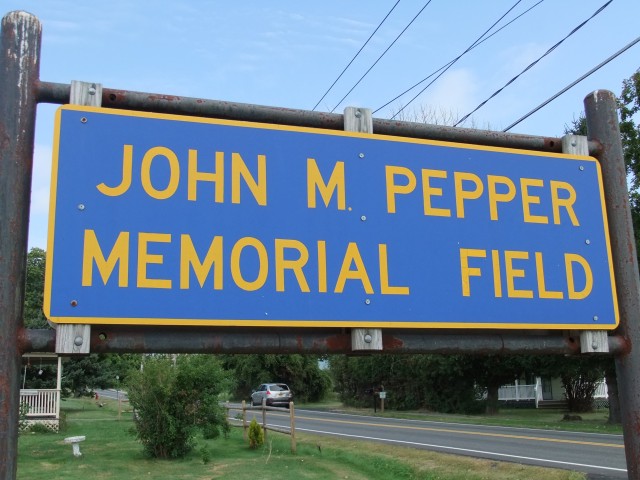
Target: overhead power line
<point>531,65</point>
<point>382,55</point>
<point>451,61</point>
<point>573,84</point>
<point>356,55</point>
<point>476,41</point>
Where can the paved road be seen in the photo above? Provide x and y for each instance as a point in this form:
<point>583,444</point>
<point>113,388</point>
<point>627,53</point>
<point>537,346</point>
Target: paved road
<point>112,394</point>
<point>601,455</point>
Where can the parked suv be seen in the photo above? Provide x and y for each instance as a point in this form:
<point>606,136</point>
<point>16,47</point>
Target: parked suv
<point>275,393</point>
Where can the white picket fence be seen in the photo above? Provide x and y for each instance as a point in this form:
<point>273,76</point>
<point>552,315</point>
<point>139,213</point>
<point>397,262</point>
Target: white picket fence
<point>41,402</point>
<point>517,392</point>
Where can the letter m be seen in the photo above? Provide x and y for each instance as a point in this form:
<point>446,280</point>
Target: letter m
<point>315,180</point>
<point>92,253</point>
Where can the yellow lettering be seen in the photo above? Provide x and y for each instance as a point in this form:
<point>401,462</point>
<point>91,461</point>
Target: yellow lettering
<point>127,167</point>
<point>495,197</point>
<point>322,266</point>
<point>528,199</point>
<point>393,188</point>
<point>92,252</point>
<point>542,289</point>
<point>569,260</point>
<point>352,255</point>
<point>189,258</point>
<point>326,190</point>
<point>194,176</point>
<point>294,265</point>
<point>567,203</point>
<point>497,274</point>
<point>174,173</point>
<point>462,194</point>
<point>385,288</point>
<point>466,271</point>
<point>513,273</point>
<point>145,258</point>
<point>263,261</point>
<point>258,188</point>
<point>428,191</point>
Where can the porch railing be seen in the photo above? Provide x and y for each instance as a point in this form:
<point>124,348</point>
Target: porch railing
<point>519,392</point>
<point>41,402</point>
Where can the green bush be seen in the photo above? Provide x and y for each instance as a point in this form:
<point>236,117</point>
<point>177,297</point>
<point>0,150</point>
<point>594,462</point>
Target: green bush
<point>39,428</point>
<point>23,423</point>
<point>256,434</point>
<point>172,400</point>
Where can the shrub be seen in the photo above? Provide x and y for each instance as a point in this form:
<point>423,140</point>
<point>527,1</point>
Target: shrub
<point>256,434</point>
<point>173,401</point>
<point>23,423</point>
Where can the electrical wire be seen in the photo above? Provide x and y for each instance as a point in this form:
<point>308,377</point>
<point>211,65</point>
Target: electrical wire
<point>456,59</point>
<point>451,61</point>
<point>382,55</point>
<point>531,65</point>
<point>573,84</point>
<point>356,55</point>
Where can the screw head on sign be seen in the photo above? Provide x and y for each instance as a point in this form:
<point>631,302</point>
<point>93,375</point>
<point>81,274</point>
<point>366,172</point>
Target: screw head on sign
<point>587,241</point>
<point>595,318</point>
<point>81,207</point>
<point>367,302</point>
<point>581,168</point>
<point>77,341</point>
<point>367,338</point>
<point>83,119</point>
<point>363,218</point>
<point>361,155</point>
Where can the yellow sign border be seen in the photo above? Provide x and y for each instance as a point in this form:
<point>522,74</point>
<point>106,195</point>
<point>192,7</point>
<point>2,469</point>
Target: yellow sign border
<point>304,323</point>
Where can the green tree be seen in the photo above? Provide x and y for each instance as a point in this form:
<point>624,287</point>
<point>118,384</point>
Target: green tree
<point>436,382</point>
<point>34,289</point>
<point>580,376</point>
<point>493,371</point>
<point>174,401</point>
<point>83,374</point>
<point>300,372</point>
<point>629,106</point>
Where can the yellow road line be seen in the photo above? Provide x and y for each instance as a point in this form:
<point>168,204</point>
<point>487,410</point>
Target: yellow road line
<point>466,432</point>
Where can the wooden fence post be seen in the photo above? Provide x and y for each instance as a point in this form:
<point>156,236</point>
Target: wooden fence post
<point>292,418</point>
<point>264,417</point>
<point>244,420</point>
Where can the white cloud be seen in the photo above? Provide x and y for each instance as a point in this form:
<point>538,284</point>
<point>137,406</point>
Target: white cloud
<point>455,91</point>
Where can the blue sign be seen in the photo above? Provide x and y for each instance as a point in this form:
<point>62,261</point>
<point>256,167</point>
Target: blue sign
<point>169,220</point>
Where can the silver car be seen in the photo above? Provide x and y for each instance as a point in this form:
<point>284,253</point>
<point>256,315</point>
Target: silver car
<point>276,394</point>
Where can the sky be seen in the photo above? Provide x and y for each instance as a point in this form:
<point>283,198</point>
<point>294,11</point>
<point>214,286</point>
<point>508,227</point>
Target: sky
<point>288,53</point>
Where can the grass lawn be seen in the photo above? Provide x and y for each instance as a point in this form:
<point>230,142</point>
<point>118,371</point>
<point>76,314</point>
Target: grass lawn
<point>111,452</point>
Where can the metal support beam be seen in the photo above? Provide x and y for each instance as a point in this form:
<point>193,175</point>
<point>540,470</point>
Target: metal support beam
<point>20,38</point>
<point>140,339</point>
<point>49,92</point>
<point>362,339</point>
<point>602,125</point>
<point>590,341</point>
<point>70,338</point>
